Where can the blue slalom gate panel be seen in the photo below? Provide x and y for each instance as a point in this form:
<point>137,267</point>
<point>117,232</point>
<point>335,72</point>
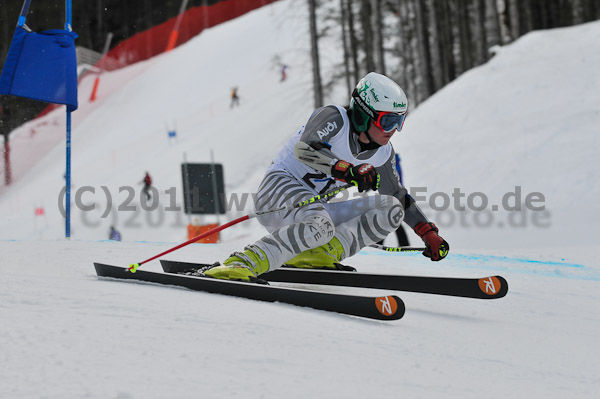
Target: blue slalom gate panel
<point>42,66</point>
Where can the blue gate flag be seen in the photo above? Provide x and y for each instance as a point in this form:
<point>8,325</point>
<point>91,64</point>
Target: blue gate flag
<point>42,66</point>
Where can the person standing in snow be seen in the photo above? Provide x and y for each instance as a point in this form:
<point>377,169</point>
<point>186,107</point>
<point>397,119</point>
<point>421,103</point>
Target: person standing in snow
<point>235,100</point>
<point>336,146</point>
<point>147,182</point>
<point>114,235</point>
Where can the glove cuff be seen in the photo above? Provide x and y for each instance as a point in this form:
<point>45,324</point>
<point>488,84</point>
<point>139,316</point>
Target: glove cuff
<point>423,228</point>
<point>340,169</point>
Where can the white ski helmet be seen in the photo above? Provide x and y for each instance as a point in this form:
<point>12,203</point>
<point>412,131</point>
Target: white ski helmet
<point>376,94</point>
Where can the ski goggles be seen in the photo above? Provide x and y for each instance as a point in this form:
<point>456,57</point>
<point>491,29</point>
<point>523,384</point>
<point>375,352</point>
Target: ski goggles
<point>389,121</point>
<point>385,120</point>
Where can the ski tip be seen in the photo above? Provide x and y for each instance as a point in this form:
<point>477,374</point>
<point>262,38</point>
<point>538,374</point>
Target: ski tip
<point>493,286</point>
<point>390,307</point>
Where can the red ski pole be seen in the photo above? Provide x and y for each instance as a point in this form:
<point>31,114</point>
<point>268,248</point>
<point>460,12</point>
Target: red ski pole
<point>321,197</point>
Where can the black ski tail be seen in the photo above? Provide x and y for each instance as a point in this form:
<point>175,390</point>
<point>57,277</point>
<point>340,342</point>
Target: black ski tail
<point>490,287</point>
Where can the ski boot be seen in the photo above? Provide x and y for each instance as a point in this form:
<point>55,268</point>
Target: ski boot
<point>326,256</point>
<point>241,266</point>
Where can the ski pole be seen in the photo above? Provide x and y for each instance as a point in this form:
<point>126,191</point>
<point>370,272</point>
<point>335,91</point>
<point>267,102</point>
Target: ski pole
<point>398,249</point>
<point>321,197</point>
<point>443,249</point>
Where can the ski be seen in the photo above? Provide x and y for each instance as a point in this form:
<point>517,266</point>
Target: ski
<point>491,287</point>
<point>380,308</point>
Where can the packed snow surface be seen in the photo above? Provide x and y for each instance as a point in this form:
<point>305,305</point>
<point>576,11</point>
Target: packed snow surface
<point>68,334</point>
<point>522,125</point>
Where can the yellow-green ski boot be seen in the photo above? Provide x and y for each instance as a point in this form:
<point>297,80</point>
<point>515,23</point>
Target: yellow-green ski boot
<point>326,256</point>
<point>242,266</point>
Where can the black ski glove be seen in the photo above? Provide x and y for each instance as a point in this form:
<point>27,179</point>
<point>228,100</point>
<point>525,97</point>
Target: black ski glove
<point>364,176</point>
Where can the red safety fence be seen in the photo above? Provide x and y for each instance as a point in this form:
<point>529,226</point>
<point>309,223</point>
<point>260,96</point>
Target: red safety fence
<point>156,39</point>
<point>161,38</point>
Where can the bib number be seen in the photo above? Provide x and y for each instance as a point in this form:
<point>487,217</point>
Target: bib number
<point>314,179</point>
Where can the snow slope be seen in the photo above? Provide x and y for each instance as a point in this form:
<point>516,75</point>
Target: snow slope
<point>68,334</point>
<point>527,118</point>
<point>123,134</point>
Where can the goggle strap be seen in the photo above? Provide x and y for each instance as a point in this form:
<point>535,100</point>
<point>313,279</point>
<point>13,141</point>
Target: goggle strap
<point>364,107</point>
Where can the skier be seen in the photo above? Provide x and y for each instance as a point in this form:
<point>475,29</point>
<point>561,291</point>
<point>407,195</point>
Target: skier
<point>235,99</point>
<point>336,146</point>
<point>147,181</point>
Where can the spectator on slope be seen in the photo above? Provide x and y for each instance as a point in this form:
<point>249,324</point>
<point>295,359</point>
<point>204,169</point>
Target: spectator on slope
<point>114,235</point>
<point>147,182</point>
<point>235,100</point>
